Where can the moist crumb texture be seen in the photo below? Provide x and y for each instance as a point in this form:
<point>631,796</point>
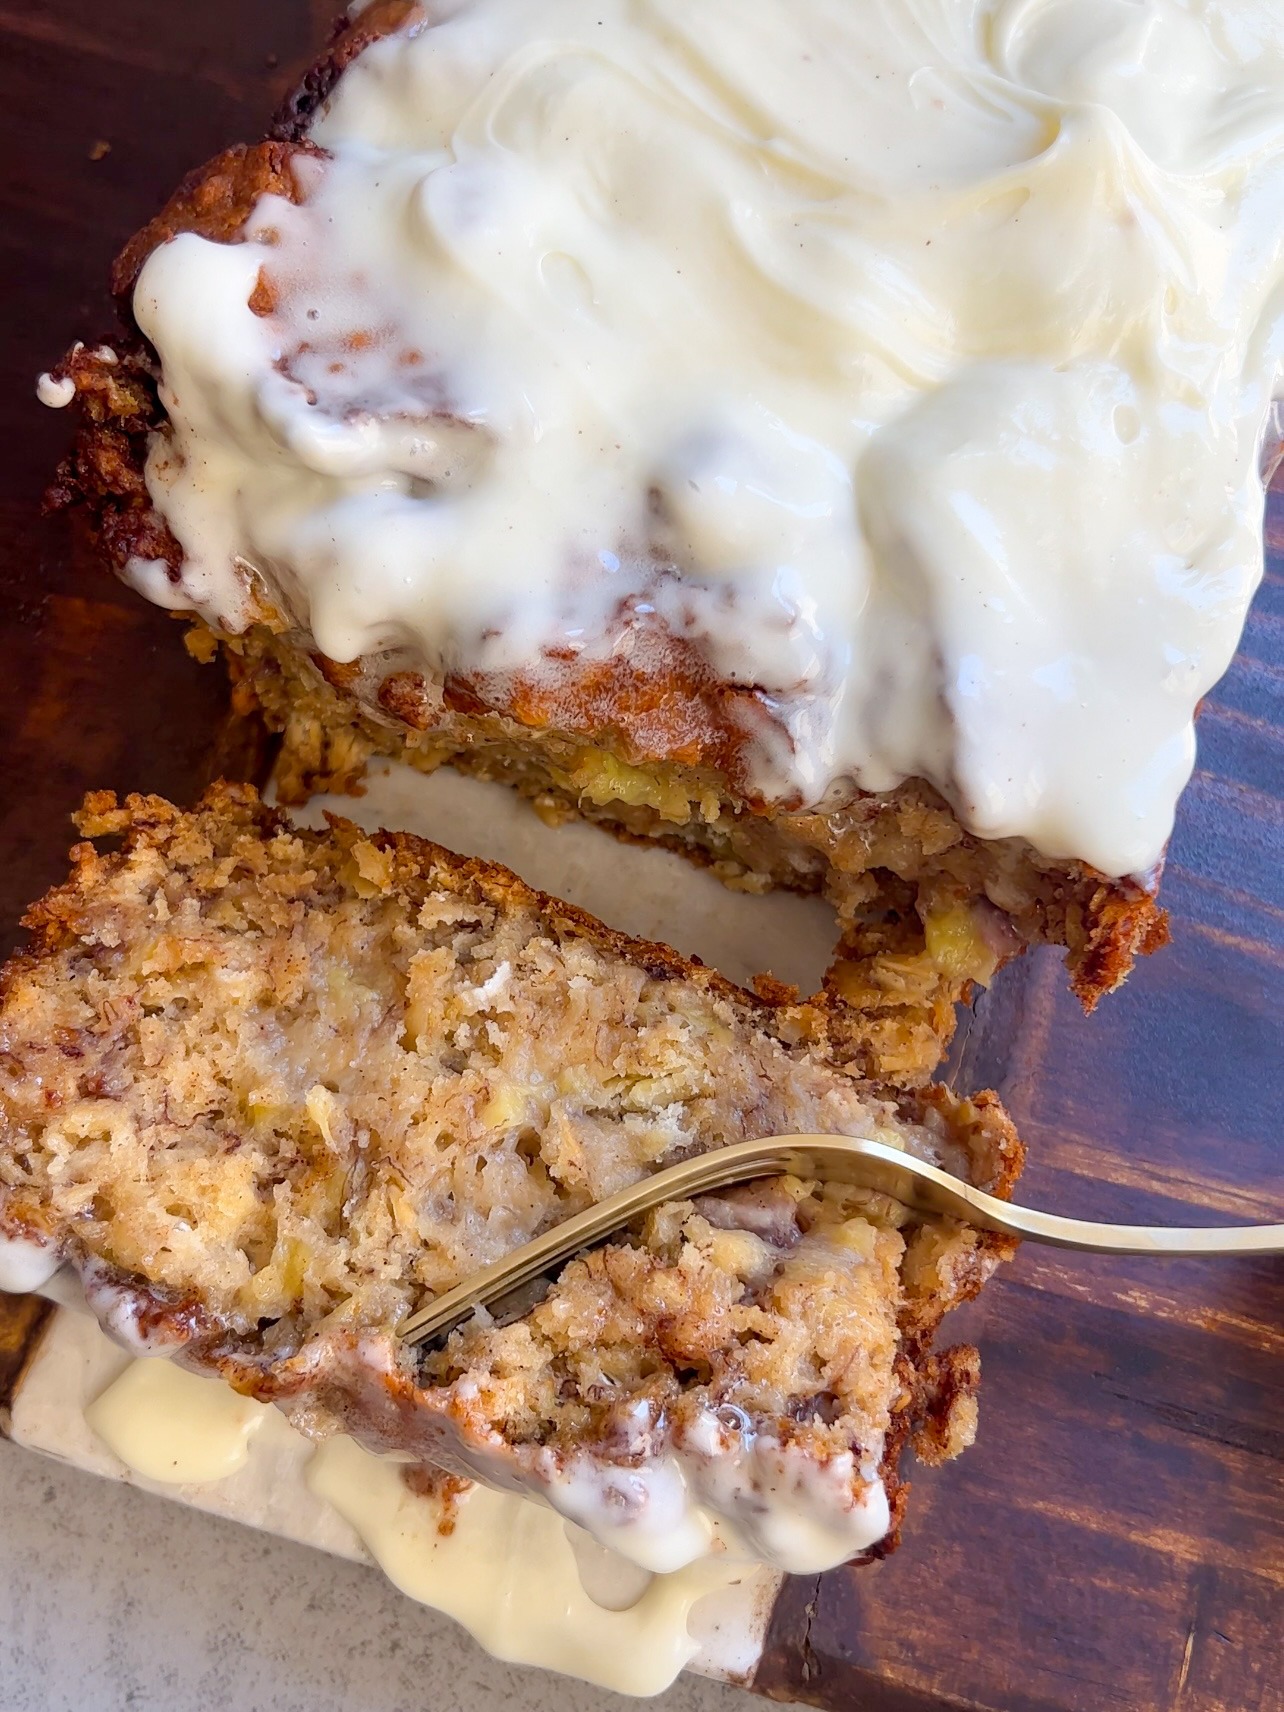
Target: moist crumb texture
<point>270,1089</point>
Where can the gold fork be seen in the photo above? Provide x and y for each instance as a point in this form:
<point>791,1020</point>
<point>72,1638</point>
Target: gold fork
<point>835,1159</point>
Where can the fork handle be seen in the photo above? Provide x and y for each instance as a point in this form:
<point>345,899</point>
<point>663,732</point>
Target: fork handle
<point>926,1188</point>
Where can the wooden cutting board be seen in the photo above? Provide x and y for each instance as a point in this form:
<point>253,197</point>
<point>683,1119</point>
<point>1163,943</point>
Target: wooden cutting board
<point>1116,1537</point>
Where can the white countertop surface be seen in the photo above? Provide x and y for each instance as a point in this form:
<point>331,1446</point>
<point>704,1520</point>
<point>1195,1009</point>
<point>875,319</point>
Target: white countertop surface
<point>112,1598</point>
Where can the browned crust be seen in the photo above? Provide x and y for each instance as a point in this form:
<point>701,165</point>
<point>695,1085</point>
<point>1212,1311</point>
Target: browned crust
<point>663,716</point>
<point>1115,923</point>
<point>104,469</point>
<point>656,699</point>
<point>214,201</point>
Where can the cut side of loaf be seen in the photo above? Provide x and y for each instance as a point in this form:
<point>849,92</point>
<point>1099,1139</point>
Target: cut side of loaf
<point>271,1089</point>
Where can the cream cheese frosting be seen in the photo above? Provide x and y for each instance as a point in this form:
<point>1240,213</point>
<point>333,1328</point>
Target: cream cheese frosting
<point>25,1265</point>
<point>509,1571</point>
<point>662,1498</point>
<point>910,359</point>
<point>528,1586</point>
<point>174,1426</point>
<point>723,1493</point>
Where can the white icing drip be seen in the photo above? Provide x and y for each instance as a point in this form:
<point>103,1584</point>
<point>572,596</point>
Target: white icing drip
<point>510,1575</point>
<point>646,1513</point>
<point>151,578</point>
<point>928,344</point>
<point>610,1580</point>
<point>118,1311</point>
<point>57,394</point>
<point>25,1265</point>
<point>173,1426</point>
<point>510,1570</point>
<point>717,1491</point>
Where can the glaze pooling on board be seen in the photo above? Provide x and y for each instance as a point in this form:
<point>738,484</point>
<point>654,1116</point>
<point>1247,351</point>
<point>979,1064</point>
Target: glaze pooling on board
<point>174,1426</point>
<point>527,1586</point>
<point>509,1572</point>
<point>908,358</point>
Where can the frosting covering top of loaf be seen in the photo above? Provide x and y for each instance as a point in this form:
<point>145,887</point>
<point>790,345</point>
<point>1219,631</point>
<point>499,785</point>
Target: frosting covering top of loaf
<point>909,359</point>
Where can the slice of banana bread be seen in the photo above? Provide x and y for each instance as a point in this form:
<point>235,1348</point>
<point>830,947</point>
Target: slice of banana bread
<point>269,1089</point>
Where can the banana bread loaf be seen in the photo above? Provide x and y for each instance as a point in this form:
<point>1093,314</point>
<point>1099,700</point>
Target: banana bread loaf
<point>636,728</point>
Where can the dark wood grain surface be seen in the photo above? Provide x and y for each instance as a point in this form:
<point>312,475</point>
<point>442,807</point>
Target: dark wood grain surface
<point>22,1323</point>
<point>1116,1538</point>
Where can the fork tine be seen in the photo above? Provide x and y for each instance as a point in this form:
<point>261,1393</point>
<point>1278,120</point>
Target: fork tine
<point>868,1164</point>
